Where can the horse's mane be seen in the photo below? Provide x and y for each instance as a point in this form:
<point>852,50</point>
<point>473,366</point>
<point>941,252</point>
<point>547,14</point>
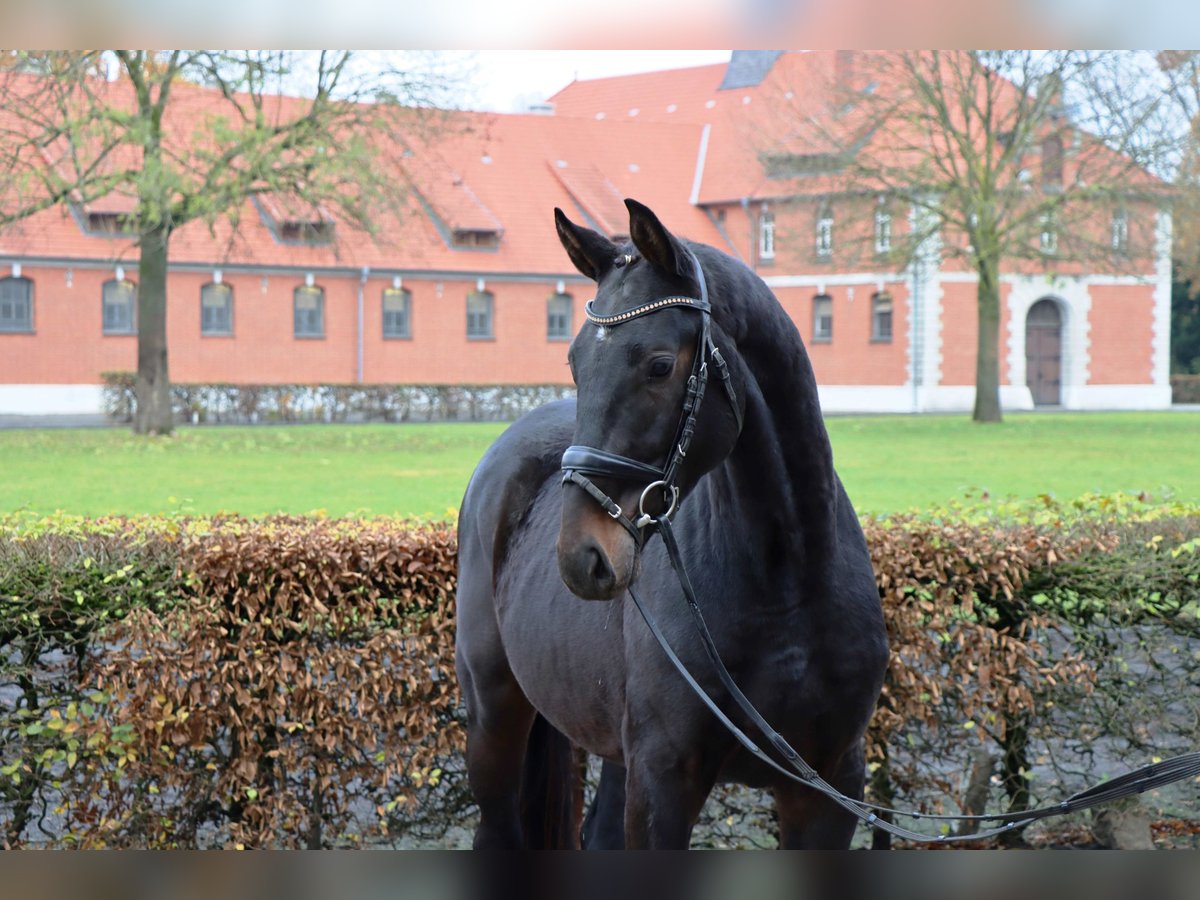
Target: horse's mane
<point>748,311</point>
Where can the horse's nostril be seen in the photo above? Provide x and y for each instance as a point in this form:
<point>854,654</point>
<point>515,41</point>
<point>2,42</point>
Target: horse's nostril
<point>602,572</point>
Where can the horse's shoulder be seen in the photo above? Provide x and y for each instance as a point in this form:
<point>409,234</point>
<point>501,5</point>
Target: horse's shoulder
<point>531,447</point>
<point>513,470</point>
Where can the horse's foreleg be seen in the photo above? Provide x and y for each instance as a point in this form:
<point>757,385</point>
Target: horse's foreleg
<point>604,827</point>
<point>663,798</point>
<point>810,821</point>
<point>498,722</point>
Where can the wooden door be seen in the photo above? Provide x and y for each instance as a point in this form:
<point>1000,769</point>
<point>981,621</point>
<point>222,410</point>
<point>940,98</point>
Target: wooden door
<point>1043,353</point>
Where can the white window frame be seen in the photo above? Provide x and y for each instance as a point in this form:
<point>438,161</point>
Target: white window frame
<point>825,233</point>
<point>560,306</point>
<point>105,304</point>
<point>19,325</point>
<point>1048,240</point>
<point>766,235</point>
<point>883,229</point>
<point>227,291</point>
<point>405,315</point>
<point>819,335</point>
<point>1120,231</point>
<point>318,292</point>
<point>488,316</point>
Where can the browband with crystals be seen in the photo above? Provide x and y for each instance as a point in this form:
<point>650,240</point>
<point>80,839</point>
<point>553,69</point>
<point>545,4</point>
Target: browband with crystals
<point>652,306</point>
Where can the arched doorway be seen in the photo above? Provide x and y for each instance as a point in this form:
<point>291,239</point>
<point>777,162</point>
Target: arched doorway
<point>1043,353</point>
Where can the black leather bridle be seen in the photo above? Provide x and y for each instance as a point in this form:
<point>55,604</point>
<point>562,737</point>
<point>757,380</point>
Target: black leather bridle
<point>579,462</point>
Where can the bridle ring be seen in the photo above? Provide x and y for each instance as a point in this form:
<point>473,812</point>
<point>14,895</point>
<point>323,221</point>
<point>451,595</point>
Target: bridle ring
<point>645,518</point>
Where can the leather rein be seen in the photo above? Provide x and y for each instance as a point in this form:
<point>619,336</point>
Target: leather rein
<point>579,462</point>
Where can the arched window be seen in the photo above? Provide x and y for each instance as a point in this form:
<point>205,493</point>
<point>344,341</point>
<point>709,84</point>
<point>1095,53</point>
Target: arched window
<point>881,318</point>
<point>559,317</point>
<point>216,309</point>
<point>479,315</point>
<point>766,235</point>
<point>397,313</point>
<point>119,301</point>
<point>16,305</point>
<point>825,231</point>
<point>822,331</point>
<point>308,311</point>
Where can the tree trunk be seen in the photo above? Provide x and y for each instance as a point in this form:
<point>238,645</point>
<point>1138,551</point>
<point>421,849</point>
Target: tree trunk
<point>1014,768</point>
<point>987,358</point>
<point>153,387</point>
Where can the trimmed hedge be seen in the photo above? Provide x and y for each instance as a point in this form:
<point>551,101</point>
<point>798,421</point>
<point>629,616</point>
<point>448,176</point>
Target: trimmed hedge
<point>1185,388</point>
<point>290,682</point>
<point>273,682</point>
<point>255,403</point>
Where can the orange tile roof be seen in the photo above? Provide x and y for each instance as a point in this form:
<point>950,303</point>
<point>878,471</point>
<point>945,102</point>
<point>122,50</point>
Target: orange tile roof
<point>483,170</point>
<point>674,95</point>
<point>506,173</point>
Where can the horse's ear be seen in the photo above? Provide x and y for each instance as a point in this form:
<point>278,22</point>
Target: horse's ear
<point>591,252</point>
<point>654,242</point>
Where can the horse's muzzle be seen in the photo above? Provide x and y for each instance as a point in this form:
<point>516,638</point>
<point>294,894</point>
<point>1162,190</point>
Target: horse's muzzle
<point>596,556</point>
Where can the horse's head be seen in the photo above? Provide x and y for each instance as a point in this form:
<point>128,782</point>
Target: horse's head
<point>633,375</point>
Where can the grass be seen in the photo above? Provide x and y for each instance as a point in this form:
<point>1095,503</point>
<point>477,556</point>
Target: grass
<point>888,463</point>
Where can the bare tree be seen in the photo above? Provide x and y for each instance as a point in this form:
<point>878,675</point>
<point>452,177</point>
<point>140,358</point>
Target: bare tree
<point>1181,73</point>
<point>158,139</point>
<point>1003,156</point>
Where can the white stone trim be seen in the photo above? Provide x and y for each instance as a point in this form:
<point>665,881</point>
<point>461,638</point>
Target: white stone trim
<point>701,156</point>
<point>855,278</point>
<point>926,296</point>
<point>880,398</point>
<point>817,282</point>
<point>1160,355</point>
<point>1123,396</point>
<point>51,399</point>
<point>873,398</point>
<point>961,398</point>
<point>935,325</point>
<point>1105,280</point>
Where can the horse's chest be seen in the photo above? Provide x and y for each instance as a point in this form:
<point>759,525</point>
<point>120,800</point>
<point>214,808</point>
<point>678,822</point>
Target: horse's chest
<point>569,667</point>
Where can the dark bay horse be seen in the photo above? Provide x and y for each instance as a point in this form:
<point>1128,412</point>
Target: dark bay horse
<point>770,540</point>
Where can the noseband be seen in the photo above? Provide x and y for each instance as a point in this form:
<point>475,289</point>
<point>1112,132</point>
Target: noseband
<point>579,462</point>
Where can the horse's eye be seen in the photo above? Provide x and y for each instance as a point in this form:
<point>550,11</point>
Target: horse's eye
<point>662,366</point>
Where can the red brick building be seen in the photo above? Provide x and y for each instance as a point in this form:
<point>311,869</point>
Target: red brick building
<point>472,287</point>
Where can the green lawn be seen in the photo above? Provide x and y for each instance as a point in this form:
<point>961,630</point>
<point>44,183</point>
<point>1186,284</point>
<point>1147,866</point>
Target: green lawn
<point>888,463</point>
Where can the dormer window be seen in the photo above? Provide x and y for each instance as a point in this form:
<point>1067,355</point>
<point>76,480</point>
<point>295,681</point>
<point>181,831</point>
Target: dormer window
<point>102,223</point>
<point>476,239</point>
<point>318,232</point>
<point>295,221</point>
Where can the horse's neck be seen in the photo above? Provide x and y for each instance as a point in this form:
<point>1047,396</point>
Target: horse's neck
<point>783,458</point>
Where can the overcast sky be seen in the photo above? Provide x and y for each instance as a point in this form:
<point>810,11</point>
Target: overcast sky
<point>505,80</point>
